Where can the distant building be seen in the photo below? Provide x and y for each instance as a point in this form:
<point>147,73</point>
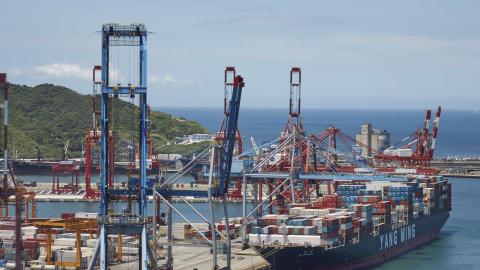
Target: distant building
<point>194,138</point>
<point>372,139</point>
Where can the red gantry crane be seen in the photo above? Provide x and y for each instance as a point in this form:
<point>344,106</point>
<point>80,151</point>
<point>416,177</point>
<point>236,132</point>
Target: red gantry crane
<point>416,149</point>
<point>93,138</point>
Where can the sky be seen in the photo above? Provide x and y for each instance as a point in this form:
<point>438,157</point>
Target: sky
<point>380,54</point>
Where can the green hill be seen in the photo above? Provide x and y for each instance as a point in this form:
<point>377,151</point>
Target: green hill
<point>44,117</point>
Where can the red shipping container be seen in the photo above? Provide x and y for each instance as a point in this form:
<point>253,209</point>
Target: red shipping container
<point>67,215</point>
<point>222,227</point>
<point>30,244</point>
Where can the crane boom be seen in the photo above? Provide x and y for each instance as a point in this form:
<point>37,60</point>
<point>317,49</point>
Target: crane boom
<point>229,131</point>
<point>255,147</point>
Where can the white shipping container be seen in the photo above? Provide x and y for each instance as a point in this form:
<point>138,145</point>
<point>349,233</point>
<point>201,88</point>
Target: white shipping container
<point>86,215</point>
<point>128,251</point>
<point>295,210</point>
<point>314,212</point>
<point>56,248</point>
<point>311,240</point>
<point>91,243</point>
<point>65,242</point>
<point>279,239</point>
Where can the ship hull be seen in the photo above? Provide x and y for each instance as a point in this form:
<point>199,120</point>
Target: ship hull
<point>368,252</point>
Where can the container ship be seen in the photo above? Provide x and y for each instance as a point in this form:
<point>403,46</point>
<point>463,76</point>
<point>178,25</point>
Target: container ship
<point>357,227</point>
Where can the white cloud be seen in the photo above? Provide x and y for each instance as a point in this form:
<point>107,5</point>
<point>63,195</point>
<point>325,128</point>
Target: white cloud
<point>60,70</point>
<point>153,79</point>
<point>169,80</point>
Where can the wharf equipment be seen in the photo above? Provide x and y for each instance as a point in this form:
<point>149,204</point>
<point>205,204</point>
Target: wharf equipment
<point>62,168</point>
<point>6,191</point>
<point>294,112</point>
<point>417,148</point>
<point>93,138</point>
<point>116,37</point>
<point>220,159</point>
<point>230,133</point>
<point>78,225</point>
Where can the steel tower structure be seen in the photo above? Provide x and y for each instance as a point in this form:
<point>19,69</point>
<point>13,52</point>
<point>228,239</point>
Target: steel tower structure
<point>122,36</point>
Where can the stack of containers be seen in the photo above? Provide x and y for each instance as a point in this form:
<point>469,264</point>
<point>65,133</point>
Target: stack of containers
<point>329,228</point>
<point>328,201</point>
<point>298,222</point>
<point>382,214</point>
<point>449,197</point>
<point>349,194</point>
<point>271,220</point>
<point>9,250</point>
<point>198,235</point>
<point>417,199</point>
<point>222,228</point>
<point>349,190</point>
<point>187,232</point>
<point>443,190</point>
<point>348,200</point>
<point>295,210</point>
<point>369,199</point>
<point>70,256</point>
<point>238,225</point>
<point>363,211</point>
<point>297,230</point>
<point>401,198</point>
<point>301,205</point>
<point>429,201</point>
<point>364,192</point>
<point>29,232</point>
<point>359,228</point>
<point>314,212</point>
<point>346,229</point>
<point>32,249</point>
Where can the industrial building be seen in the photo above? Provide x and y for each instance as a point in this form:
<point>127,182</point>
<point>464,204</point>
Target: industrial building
<point>194,138</point>
<point>372,139</point>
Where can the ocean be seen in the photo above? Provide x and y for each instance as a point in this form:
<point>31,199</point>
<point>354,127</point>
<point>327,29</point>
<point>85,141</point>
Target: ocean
<point>459,135</point>
<point>459,131</point>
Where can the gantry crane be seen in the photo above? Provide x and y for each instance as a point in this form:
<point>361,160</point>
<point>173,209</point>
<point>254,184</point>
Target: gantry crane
<point>229,136</point>
<point>8,191</point>
<point>224,149</point>
<point>76,225</point>
<point>116,36</point>
<point>418,148</point>
<point>93,137</point>
<point>16,189</point>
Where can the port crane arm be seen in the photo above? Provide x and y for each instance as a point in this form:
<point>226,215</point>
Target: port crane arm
<point>229,131</point>
<point>255,147</point>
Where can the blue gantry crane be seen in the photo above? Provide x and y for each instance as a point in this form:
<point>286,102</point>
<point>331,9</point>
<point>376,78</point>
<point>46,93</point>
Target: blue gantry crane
<point>114,38</point>
<point>222,154</point>
<point>229,133</point>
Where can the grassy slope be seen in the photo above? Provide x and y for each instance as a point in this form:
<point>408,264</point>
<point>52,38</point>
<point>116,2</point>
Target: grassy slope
<point>45,116</point>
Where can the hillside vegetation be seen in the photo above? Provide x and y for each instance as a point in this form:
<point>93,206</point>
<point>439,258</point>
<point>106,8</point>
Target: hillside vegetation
<point>44,117</point>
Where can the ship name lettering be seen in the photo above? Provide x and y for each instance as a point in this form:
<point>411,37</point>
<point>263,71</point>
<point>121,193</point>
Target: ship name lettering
<point>393,238</point>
